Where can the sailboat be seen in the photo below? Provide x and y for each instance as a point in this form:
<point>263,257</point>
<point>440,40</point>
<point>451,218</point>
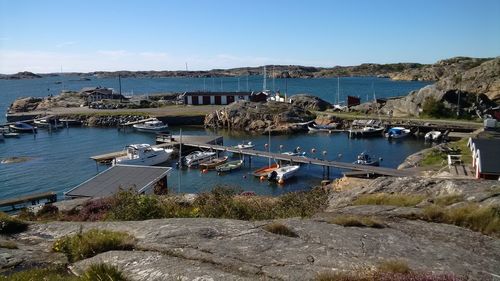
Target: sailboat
<point>338,105</point>
<point>370,131</point>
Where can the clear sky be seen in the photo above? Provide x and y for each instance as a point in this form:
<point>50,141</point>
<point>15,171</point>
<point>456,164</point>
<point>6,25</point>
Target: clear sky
<point>47,35</point>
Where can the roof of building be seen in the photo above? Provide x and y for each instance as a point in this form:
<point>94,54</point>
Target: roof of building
<point>489,152</point>
<point>110,181</point>
<point>201,93</point>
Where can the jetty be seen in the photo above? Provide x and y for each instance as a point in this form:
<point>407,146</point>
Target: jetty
<point>33,199</point>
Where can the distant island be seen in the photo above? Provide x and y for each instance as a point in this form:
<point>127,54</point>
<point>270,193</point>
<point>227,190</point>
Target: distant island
<point>396,71</point>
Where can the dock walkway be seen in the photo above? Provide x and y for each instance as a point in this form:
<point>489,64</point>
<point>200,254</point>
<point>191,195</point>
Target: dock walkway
<point>305,160</point>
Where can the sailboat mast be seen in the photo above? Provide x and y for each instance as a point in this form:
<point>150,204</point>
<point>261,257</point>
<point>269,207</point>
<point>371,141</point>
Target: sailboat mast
<point>338,90</point>
<point>264,86</point>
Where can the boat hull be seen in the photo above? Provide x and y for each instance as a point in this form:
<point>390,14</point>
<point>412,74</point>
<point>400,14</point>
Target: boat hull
<point>265,171</point>
<point>151,160</point>
<point>212,164</point>
<point>283,173</point>
<point>229,166</point>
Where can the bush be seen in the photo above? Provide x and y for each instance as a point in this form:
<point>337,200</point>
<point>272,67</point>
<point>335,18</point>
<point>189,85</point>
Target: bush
<point>434,108</point>
<point>403,200</point>
<point>48,211</point>
<point>448,199</point>
<point>280,229</point>
<point>93,210</point>
<point>85,245</point>
<point>356,221</point>
<point>434,158</point>
<point>129,205</point>
<point>10,225</point>
<point>102,272</point>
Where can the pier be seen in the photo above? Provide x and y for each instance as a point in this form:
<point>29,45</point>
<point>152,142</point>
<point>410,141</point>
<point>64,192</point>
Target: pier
<point>34,199</point>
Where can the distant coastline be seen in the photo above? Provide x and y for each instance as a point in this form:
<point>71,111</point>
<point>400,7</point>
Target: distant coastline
<point>396,71</point>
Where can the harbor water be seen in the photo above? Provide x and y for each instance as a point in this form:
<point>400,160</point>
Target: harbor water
<point>59,160</point>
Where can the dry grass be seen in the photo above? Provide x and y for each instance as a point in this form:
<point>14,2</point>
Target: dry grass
<point>280,229</point>
<point>88,244</point>
<point>448,199</point>
<point>96,272</point>
<point>484,219</point>
<point>357,221</point>
<point>6,244</point>
<point>394,266</point>
<point>402,200</point>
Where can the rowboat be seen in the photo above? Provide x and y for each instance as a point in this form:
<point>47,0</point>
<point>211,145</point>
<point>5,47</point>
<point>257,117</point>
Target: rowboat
<point>229,166</point>
<point>265,171</point>
<point>213,163</point>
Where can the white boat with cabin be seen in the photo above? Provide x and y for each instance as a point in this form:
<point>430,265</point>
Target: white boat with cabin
<point>144,155</point>
<point>198,157</point>
<point>433,136</point>
<point>153,126</point>
<point>283,173</point>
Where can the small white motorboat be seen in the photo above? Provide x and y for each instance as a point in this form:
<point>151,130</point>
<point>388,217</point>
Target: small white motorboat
<point>372,131</point>
<point>198,157</point>
<point>365,159</point>
<point>153,126</point>
<point>247,145</point>
<point>397,133</point>
<point>22,127</point>
<point>229,166</point>
<point>295,153</point>
<point>144,155</point>
<point>283,173</point>
<point>433,136</point>
<point>46,123</point>
<point>322,128</point>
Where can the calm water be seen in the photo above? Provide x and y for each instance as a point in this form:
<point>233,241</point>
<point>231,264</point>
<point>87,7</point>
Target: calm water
<point>325,88</point>
<point>61,161</point>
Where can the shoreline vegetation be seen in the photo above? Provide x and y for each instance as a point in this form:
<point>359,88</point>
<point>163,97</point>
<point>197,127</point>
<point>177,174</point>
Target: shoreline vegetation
<point>120,230</point>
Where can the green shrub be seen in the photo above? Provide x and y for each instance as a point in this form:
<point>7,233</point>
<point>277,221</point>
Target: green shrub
<point>434,108</point>
<point>10,225</point>
<point>102,272</point>
<point>88,244</point>
<point>403,200</point>
<point>356,221</point>
<point>280,229</point>
<point>129,205</point>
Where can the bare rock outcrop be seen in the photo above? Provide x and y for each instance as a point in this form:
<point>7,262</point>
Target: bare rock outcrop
<point>257,117</point>
<point>221,249</point>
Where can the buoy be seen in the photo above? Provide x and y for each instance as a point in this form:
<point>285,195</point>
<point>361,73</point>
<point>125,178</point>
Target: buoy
<point>281,181</point>
<point>204,171</point>
<point>262,178</point>
<point>244,176</point>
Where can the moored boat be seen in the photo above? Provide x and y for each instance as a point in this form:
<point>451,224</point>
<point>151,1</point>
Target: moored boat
<point>213,163</point>
<point>433,136</point>
<point>245,145</point>
<point>283,173</point>
<point>397,133</point>
<point>22,127</point>
<point>46,123</point>
<point>144,155</point>
<point>229,166</point>
<point>10,135</point>
<point>372,131</point>
<point>153,126</point>
<point>197,157</point>
<point>265,171</point>
<point>295,153</point>
<point>365,159</point>
<point>322,128</point>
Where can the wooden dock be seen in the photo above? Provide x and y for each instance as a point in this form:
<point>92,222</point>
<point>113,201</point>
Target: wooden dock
<point>163,141</point>
<point>34,199</point>
<point>305,160</point>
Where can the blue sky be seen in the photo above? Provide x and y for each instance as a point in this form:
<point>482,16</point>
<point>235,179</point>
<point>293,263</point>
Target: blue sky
<point>44,35</point>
